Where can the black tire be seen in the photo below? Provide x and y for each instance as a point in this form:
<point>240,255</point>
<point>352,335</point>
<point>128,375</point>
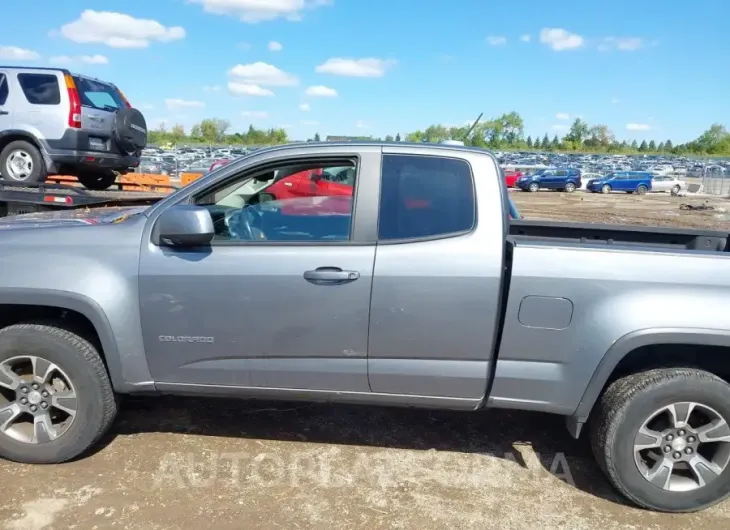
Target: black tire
<point>641,190</point>
<point>622,410</point>
<point>38,170</point>
<point>605,189</point>
<point>569,187</point>
<point>533,187</point>
<point>96,405</point>
<point>675,190</point>
<point>98,180</point>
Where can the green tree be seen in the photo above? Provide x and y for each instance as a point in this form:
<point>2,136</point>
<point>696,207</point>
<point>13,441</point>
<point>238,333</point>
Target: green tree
<point>529,142</point>
<point>316,137</point>
<point>545,143</point>
<point>578,133</point>
<point>661,148</point>
<point>643,147</point>
<point>555,145</point>
<point>668,146</point>
<point>397,137</point>
<point>388,138</point>
<point>652,146</point>
<point>634,145</point>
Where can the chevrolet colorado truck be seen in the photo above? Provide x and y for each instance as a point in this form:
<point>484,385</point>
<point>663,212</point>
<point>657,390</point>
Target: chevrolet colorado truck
<point>421,292</point>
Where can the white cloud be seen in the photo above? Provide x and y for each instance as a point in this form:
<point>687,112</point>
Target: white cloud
<point>177,104</point>
<point>275,46</point>
<point>118,30</point>
<point>246,89</point>
<point>624,44</point>
<point>637,126</point>
<point>560,127</point>
<point>262,74</point>
<point>367,67</point>
<point>304,107</point>
<point>13,53</point>
<point>360,124</point>
<point>562,116</point>
<point>309,122</point>
<point>496,40</point>
<point>321,91</point>
<point>211,88</point>
<point>526,37</point>
<point>615,100</point>
<point>255,114</point>
<point>252,11</point>
<point>560,39</point>
<point>87,59</point>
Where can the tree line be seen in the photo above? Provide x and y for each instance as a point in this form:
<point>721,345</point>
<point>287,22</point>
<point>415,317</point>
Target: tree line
<point>504,132</point>
<point>215,131</point>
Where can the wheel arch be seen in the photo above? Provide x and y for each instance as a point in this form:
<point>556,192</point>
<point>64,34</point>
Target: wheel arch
<point>83,305</point>
<point>631,342</point>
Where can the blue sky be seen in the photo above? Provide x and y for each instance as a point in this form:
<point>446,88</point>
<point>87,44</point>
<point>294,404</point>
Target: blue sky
<point>648,70</point>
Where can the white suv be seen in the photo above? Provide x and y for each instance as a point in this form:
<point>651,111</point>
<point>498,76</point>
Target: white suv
<point>56,122</point>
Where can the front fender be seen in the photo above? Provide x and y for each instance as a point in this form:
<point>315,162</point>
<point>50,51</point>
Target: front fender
<point>637,339</point>
<point>124,378</point>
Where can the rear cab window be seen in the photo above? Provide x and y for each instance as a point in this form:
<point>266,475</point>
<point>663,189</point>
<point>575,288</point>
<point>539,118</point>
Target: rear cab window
<point>40,89</point>
<point>98,95</point>
<point>425,197</point>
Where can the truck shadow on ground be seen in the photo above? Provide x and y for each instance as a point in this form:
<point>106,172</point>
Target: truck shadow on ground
<point>498,433</point>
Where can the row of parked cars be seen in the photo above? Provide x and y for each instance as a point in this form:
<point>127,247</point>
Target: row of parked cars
<point>571,179</point>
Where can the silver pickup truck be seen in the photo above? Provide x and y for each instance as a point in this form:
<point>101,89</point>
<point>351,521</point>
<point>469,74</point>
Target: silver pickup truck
<point>383,274</point>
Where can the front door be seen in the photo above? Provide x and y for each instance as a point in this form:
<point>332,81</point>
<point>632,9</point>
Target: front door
<point>279,300</point>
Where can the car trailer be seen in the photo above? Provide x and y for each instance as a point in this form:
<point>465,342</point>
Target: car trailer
<point>19,198</point>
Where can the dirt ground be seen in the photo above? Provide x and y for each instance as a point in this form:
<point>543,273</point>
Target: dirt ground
<point>174,463</point>
<point>653,209</point>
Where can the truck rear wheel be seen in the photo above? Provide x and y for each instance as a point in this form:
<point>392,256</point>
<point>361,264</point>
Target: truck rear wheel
<point>56,399</point>
<point>662,438</point>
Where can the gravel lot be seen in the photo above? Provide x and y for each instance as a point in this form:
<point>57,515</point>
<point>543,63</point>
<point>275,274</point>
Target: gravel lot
<point>193,463</point>
<point>653,209</point>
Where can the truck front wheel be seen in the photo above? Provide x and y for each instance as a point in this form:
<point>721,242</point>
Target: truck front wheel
<point>662,437</point>
<point>56,399</point>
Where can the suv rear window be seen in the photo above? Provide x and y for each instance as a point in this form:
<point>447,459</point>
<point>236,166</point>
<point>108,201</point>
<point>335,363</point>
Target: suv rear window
<point>98,95</point>
<point>40,89</point>
<point>424,196</point>
<point>3,89</point>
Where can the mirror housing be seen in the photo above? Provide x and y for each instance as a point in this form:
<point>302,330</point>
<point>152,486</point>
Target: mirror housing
<point>184,226</point>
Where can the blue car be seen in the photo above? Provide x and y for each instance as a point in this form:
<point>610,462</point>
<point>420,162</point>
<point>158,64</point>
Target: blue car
<point>551,179</point>
<point>628,181</point>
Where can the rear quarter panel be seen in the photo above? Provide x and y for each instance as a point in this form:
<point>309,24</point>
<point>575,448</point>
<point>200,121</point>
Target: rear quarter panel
<point>613,293</point>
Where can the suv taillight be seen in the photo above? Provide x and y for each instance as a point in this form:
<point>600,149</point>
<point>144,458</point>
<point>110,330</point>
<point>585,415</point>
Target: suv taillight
<point>74,112</point>
<point>124,98</point>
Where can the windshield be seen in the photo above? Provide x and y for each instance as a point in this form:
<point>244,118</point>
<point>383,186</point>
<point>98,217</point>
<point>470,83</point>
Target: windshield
<point>98,95</point>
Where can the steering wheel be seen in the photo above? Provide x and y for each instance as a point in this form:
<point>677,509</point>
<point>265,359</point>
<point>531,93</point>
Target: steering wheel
<point>241,224</point>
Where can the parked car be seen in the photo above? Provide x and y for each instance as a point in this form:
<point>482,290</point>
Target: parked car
<point>668,183</point>
<point>423,294</point>
<point>511,177</point>
<point>551,179</point>
<point>629,181</point>
<point>56,122</point>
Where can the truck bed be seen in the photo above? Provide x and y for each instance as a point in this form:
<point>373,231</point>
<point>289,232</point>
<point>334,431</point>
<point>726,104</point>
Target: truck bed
<point>16,198</point>
<point>625,236</point>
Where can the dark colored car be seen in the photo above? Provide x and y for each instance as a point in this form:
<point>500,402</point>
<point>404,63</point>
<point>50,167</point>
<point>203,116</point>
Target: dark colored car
<point>551,179</point>
<point>628,181</point>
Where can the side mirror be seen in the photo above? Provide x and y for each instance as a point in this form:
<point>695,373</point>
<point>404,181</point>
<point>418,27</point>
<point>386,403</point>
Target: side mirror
<point>184,226</point>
